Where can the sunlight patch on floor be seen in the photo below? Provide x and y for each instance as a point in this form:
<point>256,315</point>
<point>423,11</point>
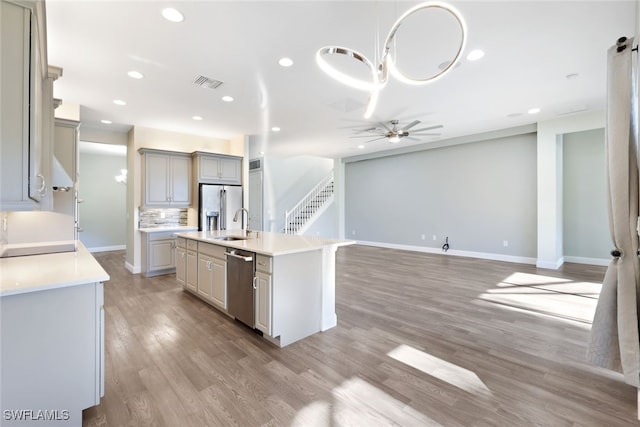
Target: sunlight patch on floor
<point>455,375</point>
<point>358,403</point>
<point>545,296</point>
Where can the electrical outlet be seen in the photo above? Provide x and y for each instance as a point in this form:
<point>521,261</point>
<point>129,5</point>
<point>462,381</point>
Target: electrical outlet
<point>423,237</point>
<point>505,243</point>
<point>435,237</point>
<point>353,232</point>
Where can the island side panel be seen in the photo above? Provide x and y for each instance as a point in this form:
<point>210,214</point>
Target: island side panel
<point>297,295</point>
<point>329,317</point>
<point>49,353</point>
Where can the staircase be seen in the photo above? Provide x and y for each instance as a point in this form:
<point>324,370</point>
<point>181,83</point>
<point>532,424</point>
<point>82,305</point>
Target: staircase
<point>302,215</point>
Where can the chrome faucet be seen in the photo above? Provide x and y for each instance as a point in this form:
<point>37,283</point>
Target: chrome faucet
<point>235,219</point>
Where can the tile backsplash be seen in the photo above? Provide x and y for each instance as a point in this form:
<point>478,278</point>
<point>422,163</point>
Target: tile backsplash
<point>162,217</point>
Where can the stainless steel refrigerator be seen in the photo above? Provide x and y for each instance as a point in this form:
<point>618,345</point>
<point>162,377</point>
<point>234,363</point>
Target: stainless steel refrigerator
<point>217,206</point>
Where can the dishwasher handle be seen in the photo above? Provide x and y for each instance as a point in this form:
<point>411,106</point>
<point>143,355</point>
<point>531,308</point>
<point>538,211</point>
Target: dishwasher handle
<point>243,258</point>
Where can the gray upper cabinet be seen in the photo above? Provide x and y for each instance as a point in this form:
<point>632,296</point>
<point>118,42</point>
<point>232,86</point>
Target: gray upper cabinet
<point>166,178</point>
<point>217,169</point>
<point>26,122</point>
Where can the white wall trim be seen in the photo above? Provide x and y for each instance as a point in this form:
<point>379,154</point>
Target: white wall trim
<point>107,248</point>
<point>469,254</point>
<point>550,265</point>
<point>590,261</point>
<point>131,269</point>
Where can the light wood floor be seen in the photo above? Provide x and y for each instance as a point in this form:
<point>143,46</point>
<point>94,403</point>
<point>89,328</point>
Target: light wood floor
<point>421,340</point>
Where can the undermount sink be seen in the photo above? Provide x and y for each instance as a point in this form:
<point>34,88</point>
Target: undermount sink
<point>231,238</point>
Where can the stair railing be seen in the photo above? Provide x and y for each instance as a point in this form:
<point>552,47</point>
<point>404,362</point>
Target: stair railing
<point>304,210</point>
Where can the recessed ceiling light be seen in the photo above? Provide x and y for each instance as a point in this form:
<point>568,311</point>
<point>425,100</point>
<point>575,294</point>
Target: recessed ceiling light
<point>361,146</point>
<point>261,153</point>
<point>285,62</point>
<point>106,122</point>
<point>119,102</point>
<point>197,117</point>
<point>135,74</point>
<point>474,55</point>
<point>275,129</point>
<point>227,98</point>
<point>534,111</point>
<point>173,15</point>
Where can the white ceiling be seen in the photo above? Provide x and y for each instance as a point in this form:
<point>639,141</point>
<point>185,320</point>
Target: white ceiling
<point>530,49</point>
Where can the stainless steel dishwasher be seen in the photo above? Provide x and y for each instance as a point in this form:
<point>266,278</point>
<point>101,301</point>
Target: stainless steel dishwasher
<point>241,268</point>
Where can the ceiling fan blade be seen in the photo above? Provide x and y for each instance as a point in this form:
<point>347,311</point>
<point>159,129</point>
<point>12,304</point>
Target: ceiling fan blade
<point>376,139</point>
<point>410,125</point>
<point>365,130</point>
<point>427,128</point>
<point>425,134</point>
<point>384,125</point>
<point>366,136</point>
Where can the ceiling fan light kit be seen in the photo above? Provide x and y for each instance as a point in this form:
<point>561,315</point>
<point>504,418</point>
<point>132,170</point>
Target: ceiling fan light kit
<point>380,72</point>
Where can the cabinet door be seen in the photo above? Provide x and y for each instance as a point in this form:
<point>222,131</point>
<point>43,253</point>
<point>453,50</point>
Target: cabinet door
<point>263,302</point>
<point>219,291</point>
<point>192,271</point>
<point>205,276</point>
<point>230,170</point>
<point>180,181</point>
<point>157,174</point>
<point>14,121</point>
<point>208,169</point>
<point>181,266</point>
<point>161,254</point>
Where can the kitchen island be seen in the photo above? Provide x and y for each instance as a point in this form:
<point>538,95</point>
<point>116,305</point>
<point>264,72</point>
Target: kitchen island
<point>294,284</point>
<point>52,329</point>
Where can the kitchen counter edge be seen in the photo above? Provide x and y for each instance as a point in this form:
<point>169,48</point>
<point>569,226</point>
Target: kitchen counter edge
<point>34,273</point>
<point>267,243</point>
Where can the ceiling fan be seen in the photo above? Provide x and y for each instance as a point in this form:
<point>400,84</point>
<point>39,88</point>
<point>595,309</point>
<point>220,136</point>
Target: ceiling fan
<point>394,133</point>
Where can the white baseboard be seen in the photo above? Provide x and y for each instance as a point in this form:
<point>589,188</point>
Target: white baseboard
<point>470,254</point>
<point>550,265</point>
<point>107,248</point>
<point>132,269</point>
<point>590,261</point>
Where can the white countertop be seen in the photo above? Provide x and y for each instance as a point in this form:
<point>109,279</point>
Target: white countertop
<point>164,229</point>
<point>32,273</point>
<point>267,243</point>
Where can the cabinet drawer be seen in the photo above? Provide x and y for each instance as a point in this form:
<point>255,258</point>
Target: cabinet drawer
<point>192,245</point>
<point>264,263</point>
<point>212,250</point>
<point>181,242</point>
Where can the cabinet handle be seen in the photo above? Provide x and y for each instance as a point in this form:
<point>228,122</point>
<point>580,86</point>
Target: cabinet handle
<point>209,265</point>
<point>43,183</point>
<point>255,285</point>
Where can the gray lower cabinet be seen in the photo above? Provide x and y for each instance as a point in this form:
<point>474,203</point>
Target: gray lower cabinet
<point>212,274</point>
<point>263,294</point>
<point>181,261</point>
<point>52,355</point>
<point>158,253</point>
<point>191,274</point>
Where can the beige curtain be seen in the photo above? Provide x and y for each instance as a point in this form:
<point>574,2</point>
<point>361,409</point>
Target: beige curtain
<point>615,341</point>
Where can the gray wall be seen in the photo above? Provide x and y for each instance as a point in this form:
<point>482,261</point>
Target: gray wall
<point>103,212</point>
<point>479,195</point>
<point>585,216</point>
